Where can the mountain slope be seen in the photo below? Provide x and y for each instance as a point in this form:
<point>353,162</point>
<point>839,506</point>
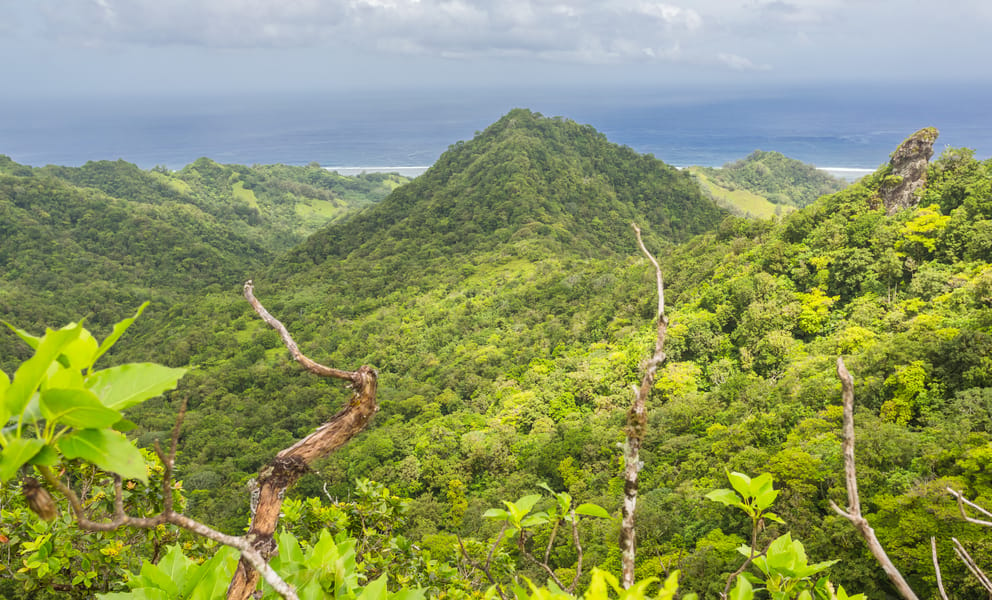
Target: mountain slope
<point>782,181</point>
<point>526,177</point>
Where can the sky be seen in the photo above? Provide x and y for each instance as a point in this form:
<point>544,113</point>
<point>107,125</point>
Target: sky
<point>72,47</point>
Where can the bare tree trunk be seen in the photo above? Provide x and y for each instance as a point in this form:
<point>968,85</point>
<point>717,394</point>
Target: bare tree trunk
<point>853,513</point>
<point>637,421</point>
<point>283,471</point>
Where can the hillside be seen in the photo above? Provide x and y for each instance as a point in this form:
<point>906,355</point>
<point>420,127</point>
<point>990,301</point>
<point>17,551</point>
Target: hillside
<point>504,304</point>
<point>100,239</point>
<point>766,183</point>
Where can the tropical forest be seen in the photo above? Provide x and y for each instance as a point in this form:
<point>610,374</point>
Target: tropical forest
<point>548,367</point>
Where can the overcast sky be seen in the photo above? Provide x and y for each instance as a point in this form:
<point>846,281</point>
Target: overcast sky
<point>82,46</point>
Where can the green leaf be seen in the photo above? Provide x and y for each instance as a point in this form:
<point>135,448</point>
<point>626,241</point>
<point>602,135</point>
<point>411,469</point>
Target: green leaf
<point>212,577</point>
<point>592,510</point>
<point>18,452</point>
<point>47,456</point>
<point>32,371</point>
<point>117,332</point>
<point>375,590</point>
<point>524,505</point>
<point>124,426</point>
<point>126,385</point>
<point>741,483</point>
<point>30,340</point>
<point>726,497</point>
<point>742,590</point>
<point>496,513</point>
<point>80,352</point>
<point>107,449</point>
<point>77,408</point>
<point>773,517</point>
<point>539,518</point>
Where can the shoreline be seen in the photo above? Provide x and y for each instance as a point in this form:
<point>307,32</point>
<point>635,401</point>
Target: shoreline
<point>846,173</point>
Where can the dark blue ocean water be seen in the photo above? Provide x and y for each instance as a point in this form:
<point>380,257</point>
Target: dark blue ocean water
<point>854,126</point>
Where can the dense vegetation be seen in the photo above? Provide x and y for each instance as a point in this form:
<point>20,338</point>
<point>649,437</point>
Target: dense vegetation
<point>502,299</point>
<point>766,183</point>
<point>98,240</point>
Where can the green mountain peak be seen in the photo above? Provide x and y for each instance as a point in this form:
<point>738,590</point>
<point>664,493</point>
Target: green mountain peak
<point>527,181</point>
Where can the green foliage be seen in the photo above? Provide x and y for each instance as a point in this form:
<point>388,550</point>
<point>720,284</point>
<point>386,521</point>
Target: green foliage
<point>780,179</point>
<point>72,410</point>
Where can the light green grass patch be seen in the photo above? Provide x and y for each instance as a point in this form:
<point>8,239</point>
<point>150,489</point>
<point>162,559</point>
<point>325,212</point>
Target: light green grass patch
<point>741,200</point>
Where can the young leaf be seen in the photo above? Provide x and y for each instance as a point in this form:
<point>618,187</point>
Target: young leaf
<point>124,386</point>
<point>741,483</point>
<point>32,371</point>
<point>106,449</point>
<point>30,340</point>
<point>539,518</point>
<point>18,452</point>
<point>592,510</point>
<point>526,503</point>
<point>116,334</point>
<point>725,497</point>
<point>77,408</point>
<point>496,513</point>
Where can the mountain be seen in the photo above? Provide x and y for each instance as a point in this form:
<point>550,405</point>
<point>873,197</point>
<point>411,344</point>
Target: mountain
<point>504,303</point>
<point>766,183</point>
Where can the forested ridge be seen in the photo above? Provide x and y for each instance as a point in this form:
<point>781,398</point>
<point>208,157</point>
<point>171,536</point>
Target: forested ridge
<point>503,301</point>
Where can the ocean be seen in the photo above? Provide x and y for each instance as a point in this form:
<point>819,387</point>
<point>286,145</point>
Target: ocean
<point>849,129</point>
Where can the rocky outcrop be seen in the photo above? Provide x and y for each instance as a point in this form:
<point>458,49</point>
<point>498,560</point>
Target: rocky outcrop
<point>908,171</point>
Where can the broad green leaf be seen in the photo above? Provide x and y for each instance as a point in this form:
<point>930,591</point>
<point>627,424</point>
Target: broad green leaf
<point>77,408</point>
<point>522,507</point>
<point>16,453</point>
<point>141,593</point>
<point>81,352</point>
<point>32,371</point>
<point>592,510</point>
<point>726,497</point>
<point>176,567</point>
<point>375,590</point>
<point>47,456</point>
<point>742,590</point>
<point>496,513</point>
<point>539,518</point>
<point>126,385</point>
<point>155,576</point>
<point>773,517</point>
<point>124,426</point>
<point>741,483</point>
<point>107,449</point>
<point>30,340</point>
<point>4,384</point>
<point>117,332</point>
<point>213,577</point>
<point>762,491</point>
<point>62,377</point>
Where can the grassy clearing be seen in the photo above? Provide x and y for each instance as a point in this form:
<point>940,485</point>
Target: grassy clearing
<point>740,200</point>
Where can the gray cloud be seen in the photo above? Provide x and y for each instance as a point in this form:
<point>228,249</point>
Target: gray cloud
<point>568,30</point>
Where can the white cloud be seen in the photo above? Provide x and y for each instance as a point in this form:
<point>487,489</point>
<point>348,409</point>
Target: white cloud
<point>740,63</point>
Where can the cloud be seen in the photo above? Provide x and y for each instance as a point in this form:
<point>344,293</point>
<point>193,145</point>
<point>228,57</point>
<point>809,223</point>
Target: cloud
<point>569,30</point>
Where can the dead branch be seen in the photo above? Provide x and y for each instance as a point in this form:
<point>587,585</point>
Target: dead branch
<point>578,551</point>
<point>636,426</point>
<point>962,501</point>
<point>972,565</point>
<point>853,513</point>
<point>283,471</point>
<point>936,568</point>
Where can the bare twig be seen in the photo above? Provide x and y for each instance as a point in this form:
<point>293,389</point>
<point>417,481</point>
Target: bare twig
<point>936,568</point>
<point>972,565</point>
<point>522,546</point>
<point>484,569</point>
<point>853,513</point>
<point>962,501</point>
<point>283,471</point>
<point>636,427</point>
